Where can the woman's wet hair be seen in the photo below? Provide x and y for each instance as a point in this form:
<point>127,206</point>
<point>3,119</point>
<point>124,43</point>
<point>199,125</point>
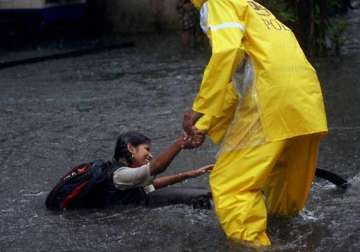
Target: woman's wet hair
<point>133,138</point>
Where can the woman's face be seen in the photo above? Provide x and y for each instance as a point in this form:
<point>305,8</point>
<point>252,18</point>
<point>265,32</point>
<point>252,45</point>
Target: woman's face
<point>141,154</point>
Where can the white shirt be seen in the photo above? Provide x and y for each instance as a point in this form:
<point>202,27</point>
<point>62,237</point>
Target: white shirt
<point>125,178</point>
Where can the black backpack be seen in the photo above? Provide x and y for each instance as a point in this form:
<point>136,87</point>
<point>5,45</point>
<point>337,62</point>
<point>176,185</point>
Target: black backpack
<point>83,186</point>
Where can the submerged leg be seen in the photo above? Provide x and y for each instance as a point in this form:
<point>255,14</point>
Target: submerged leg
<point>291,178</point>
<point>193,196</point>
<point>236,183</point>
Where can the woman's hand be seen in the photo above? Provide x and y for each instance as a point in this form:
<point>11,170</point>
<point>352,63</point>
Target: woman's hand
<point>160,182</point>
<point>200,171</point>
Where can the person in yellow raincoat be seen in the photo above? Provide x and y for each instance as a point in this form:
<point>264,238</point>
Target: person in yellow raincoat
<point>261,100</point>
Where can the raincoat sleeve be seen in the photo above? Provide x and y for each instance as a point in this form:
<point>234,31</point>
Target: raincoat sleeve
<point>225,31</point>
<point>216,126</point>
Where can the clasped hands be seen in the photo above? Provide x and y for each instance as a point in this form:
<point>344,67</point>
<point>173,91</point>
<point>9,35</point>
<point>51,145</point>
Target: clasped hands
<point>192,137</point>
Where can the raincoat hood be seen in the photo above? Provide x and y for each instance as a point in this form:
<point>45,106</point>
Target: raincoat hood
<point>198,3</point>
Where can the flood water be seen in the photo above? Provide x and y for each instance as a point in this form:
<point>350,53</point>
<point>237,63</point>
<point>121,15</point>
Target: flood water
<point>59,113</point>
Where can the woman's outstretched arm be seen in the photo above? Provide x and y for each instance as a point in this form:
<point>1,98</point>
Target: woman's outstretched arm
<point>160,163</point>
<point>176,178</point>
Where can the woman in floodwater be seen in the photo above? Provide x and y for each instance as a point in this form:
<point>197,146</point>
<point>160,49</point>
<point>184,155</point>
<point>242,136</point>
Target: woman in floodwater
<point>134,180</point>
<point>129,178</point>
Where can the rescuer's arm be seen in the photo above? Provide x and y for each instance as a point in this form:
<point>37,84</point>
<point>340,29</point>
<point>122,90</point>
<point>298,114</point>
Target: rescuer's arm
<point>189,120</point>
<point>215,127</point>
<point>225,32</point>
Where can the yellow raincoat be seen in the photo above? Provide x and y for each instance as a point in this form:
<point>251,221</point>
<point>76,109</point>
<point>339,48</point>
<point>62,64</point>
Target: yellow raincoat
<point>262,100</point>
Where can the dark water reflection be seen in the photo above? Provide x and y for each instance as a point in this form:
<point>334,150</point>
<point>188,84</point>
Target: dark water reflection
<point>56,114</point>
